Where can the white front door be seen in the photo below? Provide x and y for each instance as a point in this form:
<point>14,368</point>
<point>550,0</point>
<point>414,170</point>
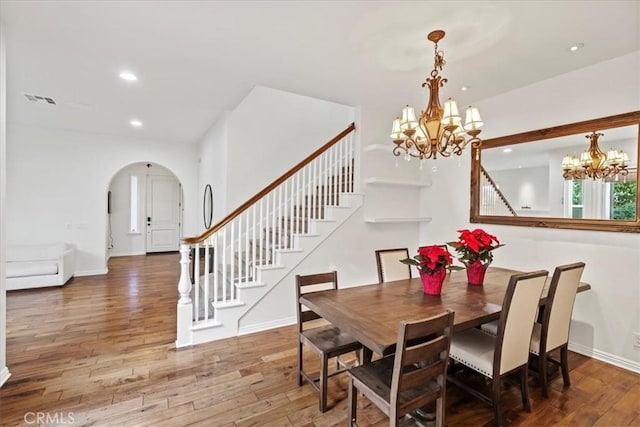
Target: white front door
<point>163,213</point>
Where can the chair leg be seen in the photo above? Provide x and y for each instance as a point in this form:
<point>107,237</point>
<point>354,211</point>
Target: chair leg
<point>439,422</point>
<point>353,403</point>
<point>495,388</point>
<point>564,362</point>
<point>367,355</point>
<point>323,383</point>
<point>524,388</point>
<point>542,372</point>
<point>299,363</point>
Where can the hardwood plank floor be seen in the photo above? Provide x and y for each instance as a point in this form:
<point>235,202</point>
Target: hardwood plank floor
<point>100,351</point>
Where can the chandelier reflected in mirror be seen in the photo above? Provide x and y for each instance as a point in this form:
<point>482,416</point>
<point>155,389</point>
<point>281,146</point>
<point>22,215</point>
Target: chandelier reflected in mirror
<point>437,130</point>
<point>594,163</point>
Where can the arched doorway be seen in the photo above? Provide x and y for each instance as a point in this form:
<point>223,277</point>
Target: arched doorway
<point>145,210</point>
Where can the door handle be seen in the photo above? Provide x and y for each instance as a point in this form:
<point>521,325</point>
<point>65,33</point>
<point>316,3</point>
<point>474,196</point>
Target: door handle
<point>149,219</point>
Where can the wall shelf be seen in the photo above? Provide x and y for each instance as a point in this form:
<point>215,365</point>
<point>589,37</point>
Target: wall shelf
<point>385,181</point>
<point>396,220</point>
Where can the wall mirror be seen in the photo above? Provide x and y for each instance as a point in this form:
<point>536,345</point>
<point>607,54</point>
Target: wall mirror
<point>542,178</point>
<point>207,206</point>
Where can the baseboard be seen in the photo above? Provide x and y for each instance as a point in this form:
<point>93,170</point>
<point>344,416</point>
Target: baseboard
<point>90,272</point>
<point>258,327</point>
<point>612,359</point>
<point>117,254</point>
<point>4,375</point>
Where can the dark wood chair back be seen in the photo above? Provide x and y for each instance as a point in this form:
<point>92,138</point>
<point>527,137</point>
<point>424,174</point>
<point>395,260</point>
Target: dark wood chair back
<point>422,354</point>
<point>312,283</point>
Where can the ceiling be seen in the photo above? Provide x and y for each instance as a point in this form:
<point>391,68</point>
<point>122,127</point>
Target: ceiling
<point>196,59</point>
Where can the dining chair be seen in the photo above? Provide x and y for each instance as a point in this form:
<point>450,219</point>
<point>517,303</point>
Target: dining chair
<point>551,331</point>
<point>327,341</point>
<point>412,377</point>
<point>508,351</point>
<point>389,266</point>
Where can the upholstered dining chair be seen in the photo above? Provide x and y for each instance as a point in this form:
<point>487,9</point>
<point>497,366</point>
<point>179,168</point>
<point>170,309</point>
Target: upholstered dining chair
<point>508,351</point>
<point>411,378</point>
<point>389,266</point>
<point>327,341</point>
<point>551,332</point>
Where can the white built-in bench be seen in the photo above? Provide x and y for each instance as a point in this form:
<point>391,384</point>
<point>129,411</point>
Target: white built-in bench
<point>37,266</point>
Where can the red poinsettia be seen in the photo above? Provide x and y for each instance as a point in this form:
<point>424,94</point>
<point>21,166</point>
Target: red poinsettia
<point>431,259</point>
<point>475,246</point>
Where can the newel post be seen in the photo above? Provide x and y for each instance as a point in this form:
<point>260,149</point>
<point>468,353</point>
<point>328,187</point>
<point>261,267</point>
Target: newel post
<point>185,305</point>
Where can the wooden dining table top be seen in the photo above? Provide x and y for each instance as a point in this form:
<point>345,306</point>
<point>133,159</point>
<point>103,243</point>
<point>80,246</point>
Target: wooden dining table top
<point>371,314</point>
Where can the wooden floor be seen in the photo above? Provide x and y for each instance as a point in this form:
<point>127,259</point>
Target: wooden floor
<point>100,351</point>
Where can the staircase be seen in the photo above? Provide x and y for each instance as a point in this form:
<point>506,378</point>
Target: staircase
<point>242,258</point>
<point>492,201</point>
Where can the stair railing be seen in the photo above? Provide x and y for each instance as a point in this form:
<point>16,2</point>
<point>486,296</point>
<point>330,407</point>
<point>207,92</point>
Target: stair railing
<point>227,256</point>
<point>492,201</point>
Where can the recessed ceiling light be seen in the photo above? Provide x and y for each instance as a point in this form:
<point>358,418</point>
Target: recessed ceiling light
<point>575,47</point>
<point>464,88</point>
<point>128,76</point>
<point>507,150</point>
<point>135,123</point>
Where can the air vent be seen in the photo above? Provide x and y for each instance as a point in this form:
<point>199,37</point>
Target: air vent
<point>40,99</point>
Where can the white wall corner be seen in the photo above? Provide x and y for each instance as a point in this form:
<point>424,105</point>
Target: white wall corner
<point>603,356</point>
<point>4,372</point>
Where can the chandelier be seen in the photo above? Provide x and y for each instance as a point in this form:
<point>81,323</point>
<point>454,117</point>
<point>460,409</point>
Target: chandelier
<point>594,164</point>
<point>438,130</point>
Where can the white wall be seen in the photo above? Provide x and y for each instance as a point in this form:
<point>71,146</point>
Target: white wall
<point>212,160</point>
<point>605,316</point>
<point>4,371</point>
<point>272,130</point>
<point>123,241</point>
<point>525,187</point>
<point>57,184</point>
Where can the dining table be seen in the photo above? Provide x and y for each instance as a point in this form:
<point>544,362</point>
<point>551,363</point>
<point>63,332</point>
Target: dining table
<point>372,313</point>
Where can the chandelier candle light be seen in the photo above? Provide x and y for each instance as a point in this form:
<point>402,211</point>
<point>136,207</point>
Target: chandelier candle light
<point>594,164</point>
<point>438,130</point>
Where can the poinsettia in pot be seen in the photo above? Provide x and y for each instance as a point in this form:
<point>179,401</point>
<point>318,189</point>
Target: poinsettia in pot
<point>433,263</point>
<point>475,252</point>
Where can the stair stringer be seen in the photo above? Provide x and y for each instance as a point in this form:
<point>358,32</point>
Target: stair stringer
<point>228,315</point>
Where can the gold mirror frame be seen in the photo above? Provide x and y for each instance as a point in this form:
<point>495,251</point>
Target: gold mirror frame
<point>620,120</point>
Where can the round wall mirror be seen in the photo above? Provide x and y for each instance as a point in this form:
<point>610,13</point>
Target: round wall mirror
<point>207,206</point>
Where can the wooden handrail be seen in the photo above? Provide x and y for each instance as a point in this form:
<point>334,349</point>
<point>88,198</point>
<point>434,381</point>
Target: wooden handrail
<point>495,187</point>
<point>269,188</point>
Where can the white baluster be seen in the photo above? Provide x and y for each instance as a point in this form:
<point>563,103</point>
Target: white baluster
<point>253,244</point>
<point>224,264</point>
<point>273,228</point>
<point>184,284</point>
<point>196,281</point>
<point>246,248</point>
<point>185,309</point>
<point>280,225</point>
<point>207,280</point>
<point>216,253</point>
